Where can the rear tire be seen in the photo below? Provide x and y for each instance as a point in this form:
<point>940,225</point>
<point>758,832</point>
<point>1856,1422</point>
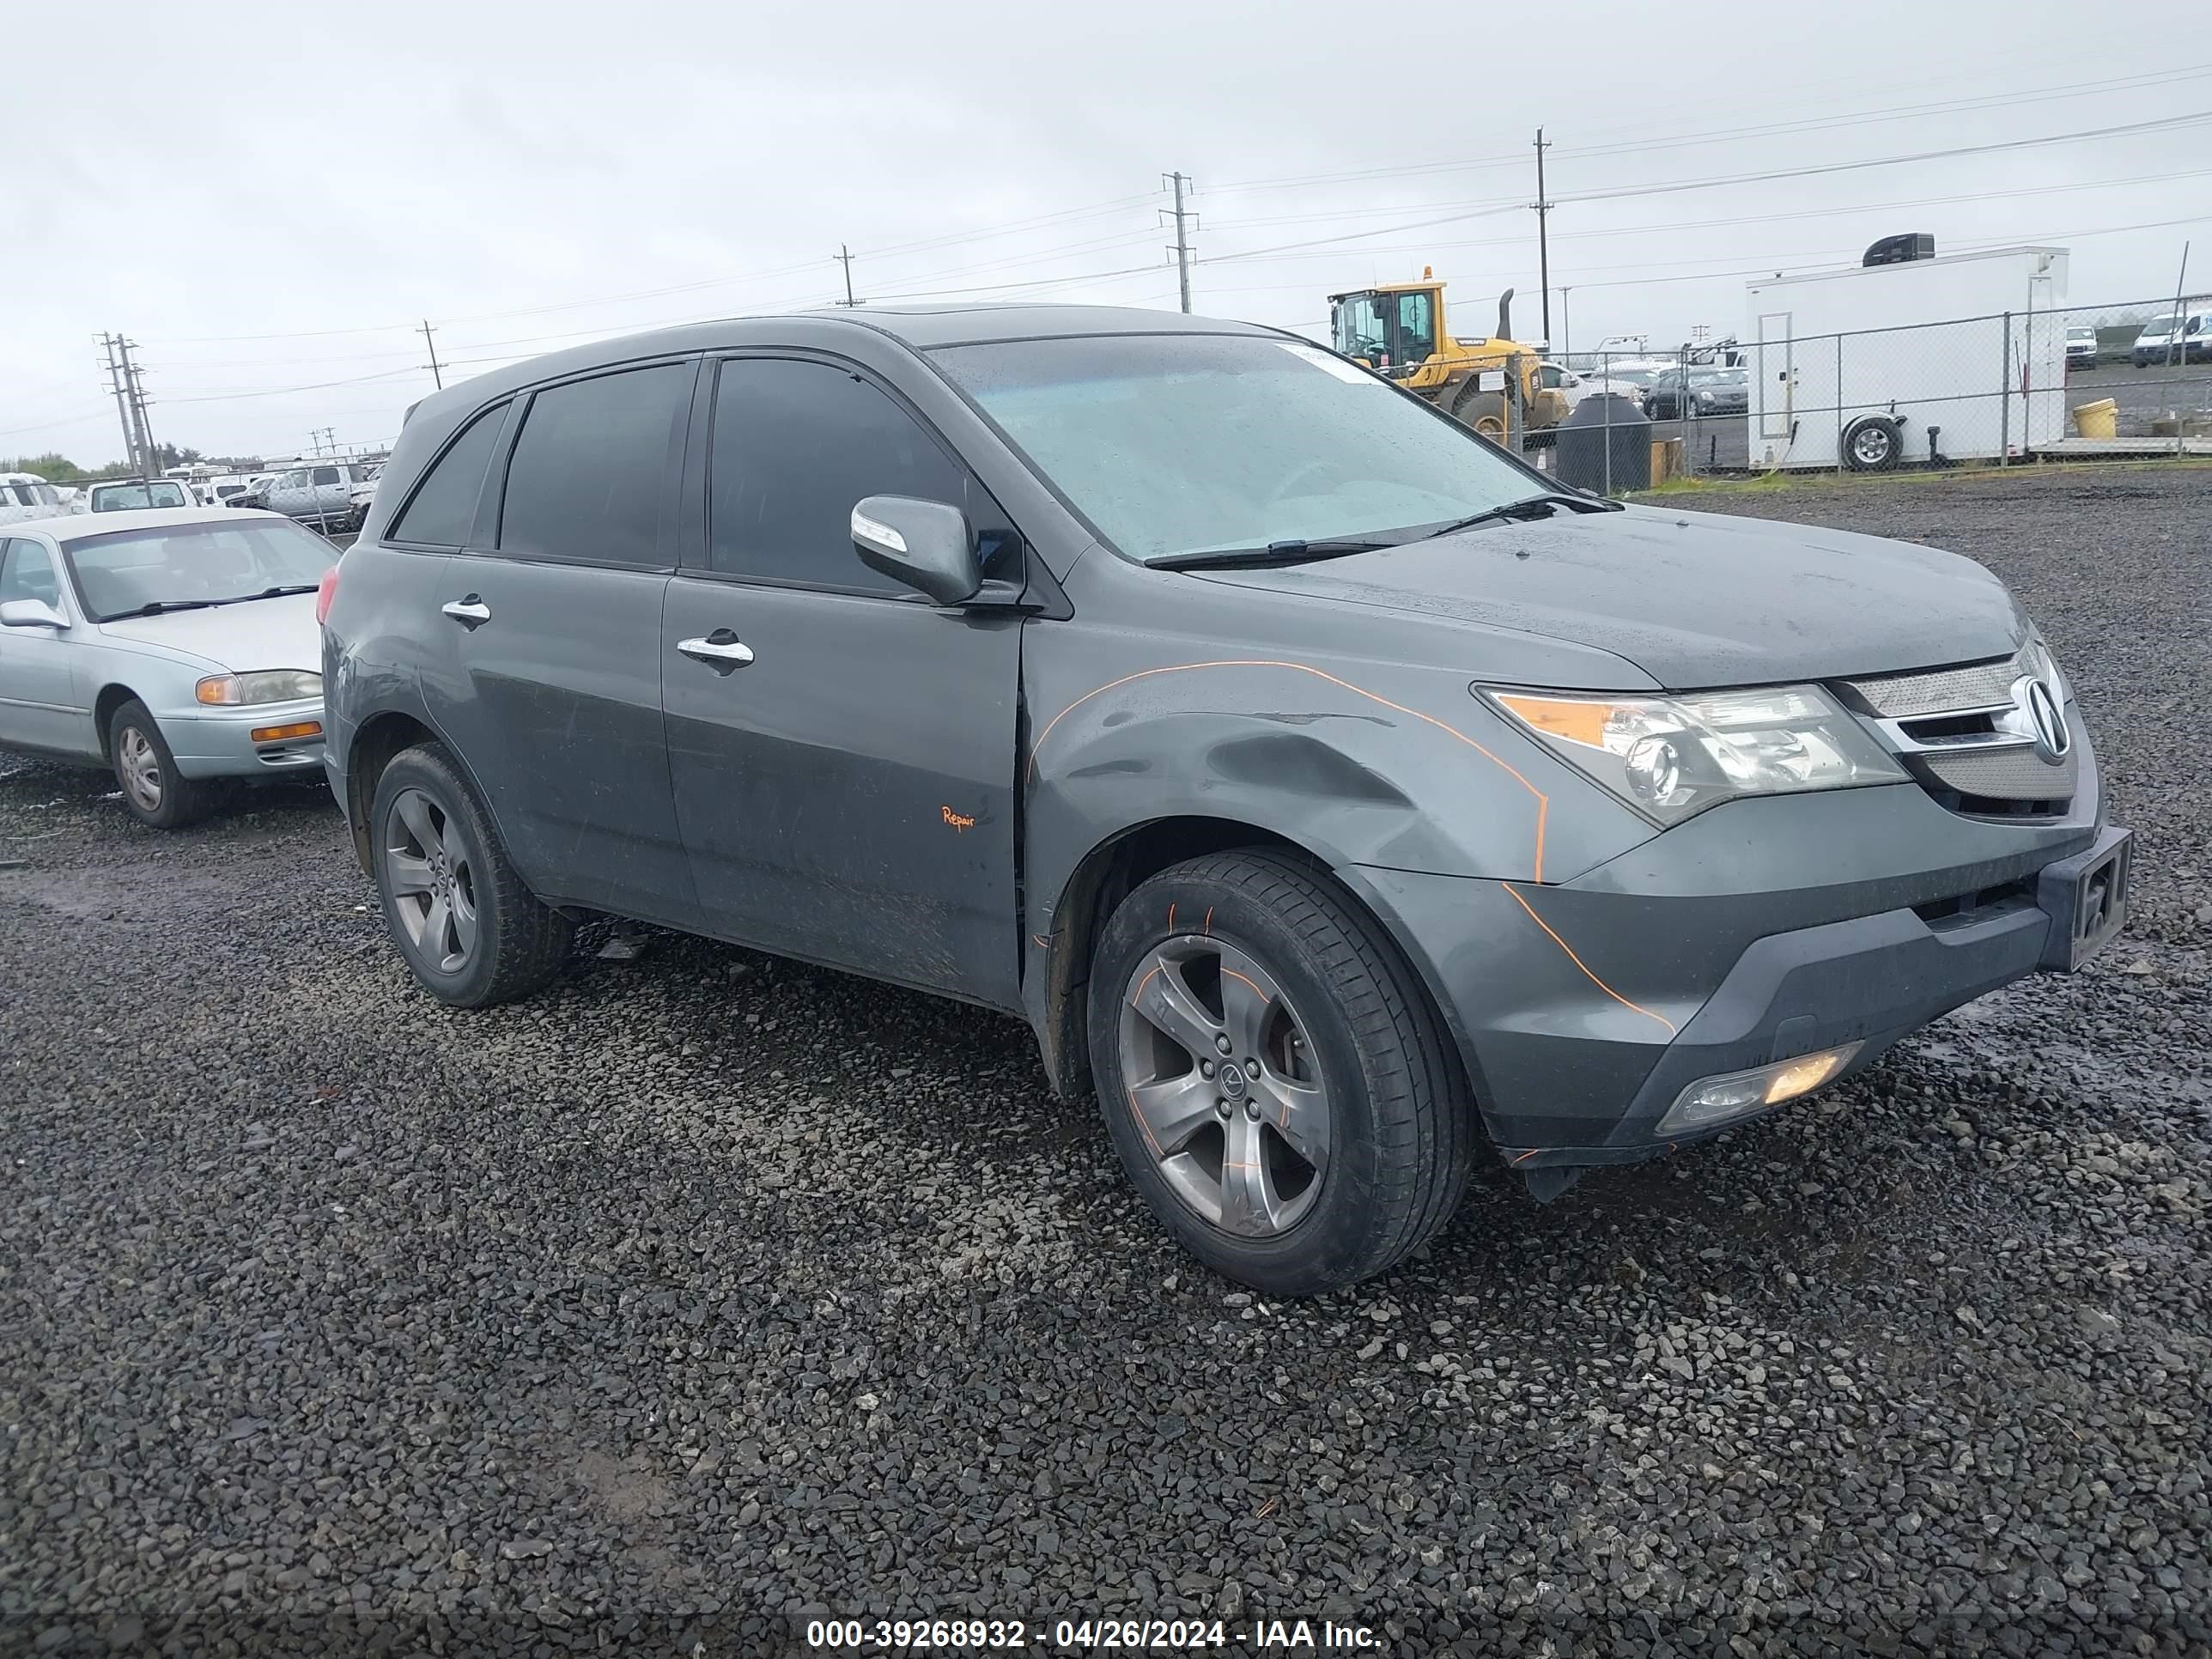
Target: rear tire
<point>154,792</point>
<point>1274,1080</point>
<point>469,931</point>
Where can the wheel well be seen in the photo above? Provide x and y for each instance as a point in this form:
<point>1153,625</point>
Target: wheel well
<point>110,698</point>
<point>1100,882</point>
<point>379,739</point>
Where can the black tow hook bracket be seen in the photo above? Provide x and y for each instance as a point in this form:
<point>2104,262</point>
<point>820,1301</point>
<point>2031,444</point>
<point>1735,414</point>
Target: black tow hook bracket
<point>1546,1183</point>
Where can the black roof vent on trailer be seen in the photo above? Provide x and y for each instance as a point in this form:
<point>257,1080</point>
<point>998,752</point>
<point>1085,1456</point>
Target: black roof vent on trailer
<point>1901,250</point>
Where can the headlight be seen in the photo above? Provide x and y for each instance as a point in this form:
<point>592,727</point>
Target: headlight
<point>263,685</point>
<point>1671,758</point>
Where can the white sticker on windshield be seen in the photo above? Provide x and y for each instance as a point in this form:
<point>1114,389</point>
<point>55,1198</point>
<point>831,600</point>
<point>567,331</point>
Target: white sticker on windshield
<point>1350,372</point>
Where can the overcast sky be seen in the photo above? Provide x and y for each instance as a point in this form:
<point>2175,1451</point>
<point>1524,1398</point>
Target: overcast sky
<point>271,197</point>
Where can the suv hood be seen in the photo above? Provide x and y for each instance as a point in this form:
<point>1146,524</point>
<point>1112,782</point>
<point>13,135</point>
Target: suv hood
<point>1695,599</point>
<point>278,633</point>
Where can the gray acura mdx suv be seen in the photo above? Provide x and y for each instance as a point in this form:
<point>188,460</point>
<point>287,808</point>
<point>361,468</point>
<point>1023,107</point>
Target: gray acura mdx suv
<point>1326,789</point>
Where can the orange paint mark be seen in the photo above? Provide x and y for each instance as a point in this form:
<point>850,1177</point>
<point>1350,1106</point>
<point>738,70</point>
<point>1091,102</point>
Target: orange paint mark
<point>1525,1156</point>
<point>1040,941</point>
<point>1584,966</point>
<point>1542,800</point>
<point>1170,917</point>
<point>1143,1127</point>
<point>1209,921</point>
<point>959,824</point>
<point>1256,991</point>
<point>1138,995</point>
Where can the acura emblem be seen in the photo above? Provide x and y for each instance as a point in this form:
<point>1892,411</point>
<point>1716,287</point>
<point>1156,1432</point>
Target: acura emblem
<point>2052,740</point>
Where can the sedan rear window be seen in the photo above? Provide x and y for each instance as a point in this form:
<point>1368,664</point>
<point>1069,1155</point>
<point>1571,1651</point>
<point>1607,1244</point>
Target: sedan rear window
<point>183,567</point>
<point>1180,444</point>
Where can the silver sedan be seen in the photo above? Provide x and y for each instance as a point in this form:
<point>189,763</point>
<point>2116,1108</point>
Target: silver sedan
<point>178,646</point>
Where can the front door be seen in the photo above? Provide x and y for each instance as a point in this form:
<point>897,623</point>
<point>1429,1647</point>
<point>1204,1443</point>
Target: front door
<point>848,793</point>
<point>43,703</point>
<point>552,691</point>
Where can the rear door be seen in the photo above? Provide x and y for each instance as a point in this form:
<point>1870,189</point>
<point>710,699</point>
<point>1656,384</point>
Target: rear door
<point>552,692</point>
<point>848,794</point>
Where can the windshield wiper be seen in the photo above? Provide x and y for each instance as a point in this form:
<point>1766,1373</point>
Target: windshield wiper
<point>1275,553</point>
<point>160,607</point>
<point>1526,509</point>
<point>271,594</point>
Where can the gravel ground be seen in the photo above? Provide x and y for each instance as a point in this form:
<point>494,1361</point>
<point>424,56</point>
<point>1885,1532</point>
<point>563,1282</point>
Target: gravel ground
<point>705,1292</point>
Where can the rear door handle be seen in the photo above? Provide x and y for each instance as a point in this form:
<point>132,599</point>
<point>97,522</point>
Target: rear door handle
<point>720,649</point>
<point>470,612</point>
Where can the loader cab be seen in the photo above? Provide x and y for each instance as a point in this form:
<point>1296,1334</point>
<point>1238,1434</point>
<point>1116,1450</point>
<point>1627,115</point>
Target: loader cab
<point>1394,329</point>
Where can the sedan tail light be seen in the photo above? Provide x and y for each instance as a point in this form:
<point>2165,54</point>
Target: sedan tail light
<point>326,590</point>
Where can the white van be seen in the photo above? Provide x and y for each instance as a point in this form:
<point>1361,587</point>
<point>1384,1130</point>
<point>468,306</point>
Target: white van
<point>2185,338</point>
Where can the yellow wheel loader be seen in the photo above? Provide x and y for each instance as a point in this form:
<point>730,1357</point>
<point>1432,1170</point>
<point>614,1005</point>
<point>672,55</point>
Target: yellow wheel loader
<point>1491,383</point>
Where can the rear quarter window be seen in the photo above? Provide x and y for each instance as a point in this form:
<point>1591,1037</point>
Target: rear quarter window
<point>445,505</point>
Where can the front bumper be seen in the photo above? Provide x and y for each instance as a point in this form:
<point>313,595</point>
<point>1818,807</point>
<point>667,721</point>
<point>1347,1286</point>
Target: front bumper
<point>219,743</point>
<point>1759,932</point>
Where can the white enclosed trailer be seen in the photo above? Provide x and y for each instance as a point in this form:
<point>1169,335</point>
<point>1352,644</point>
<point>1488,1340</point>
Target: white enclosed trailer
<point>1963,356</point>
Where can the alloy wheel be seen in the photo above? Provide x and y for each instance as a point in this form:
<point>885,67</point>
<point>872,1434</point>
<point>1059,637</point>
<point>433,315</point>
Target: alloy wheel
<point>141,770</point>
<point>433,880</point>
<point>1224,1085</point>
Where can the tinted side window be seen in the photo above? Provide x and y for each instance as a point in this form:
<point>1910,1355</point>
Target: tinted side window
<point>445,504</point>
<point>326,474</point>
<point>592,478</point>
<point>796,444</point>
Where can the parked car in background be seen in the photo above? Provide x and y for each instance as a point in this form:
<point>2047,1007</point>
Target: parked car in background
<point>137,494</point>
<point>1325,787</point>
<point>2180,338</point>
<point>177,647</point>
<point>1572,384</point>
<point>1622,380</point>
<point>363,497</point>
<point>1674,394</point>
<point>27,496</point>
<point>2081,348</point>
<point>222,490</point>
<point>321,491</point>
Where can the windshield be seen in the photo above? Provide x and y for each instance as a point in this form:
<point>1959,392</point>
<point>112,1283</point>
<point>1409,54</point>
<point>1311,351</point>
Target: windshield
<point>180,564</point>
<point>125,498</point>
<point>2161,325</point>
<point>1180,444</point>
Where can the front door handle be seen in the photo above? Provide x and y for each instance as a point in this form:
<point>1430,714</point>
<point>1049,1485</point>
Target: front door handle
<point>470,612</point>
<point>721,650</point>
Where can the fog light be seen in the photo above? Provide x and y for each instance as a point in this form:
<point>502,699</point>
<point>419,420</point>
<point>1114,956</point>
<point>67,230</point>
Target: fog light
<point>1736,1094</point>
<point>279,733</point>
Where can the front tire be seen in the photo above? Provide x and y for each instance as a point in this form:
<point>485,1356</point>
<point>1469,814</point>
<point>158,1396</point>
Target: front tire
<point>1272,1074</point>
<point>1483,411</point>
<point>153,791</point>
<point>470,931</point>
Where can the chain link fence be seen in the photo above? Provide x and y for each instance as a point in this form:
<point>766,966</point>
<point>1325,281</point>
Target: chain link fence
<point>2123,380</point>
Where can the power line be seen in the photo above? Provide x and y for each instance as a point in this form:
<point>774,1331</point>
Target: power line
<point>1771,175</point>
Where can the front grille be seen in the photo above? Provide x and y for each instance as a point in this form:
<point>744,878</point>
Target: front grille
<point>1960,757</point>
<point>2004,773</point>
<point>1943,691</point>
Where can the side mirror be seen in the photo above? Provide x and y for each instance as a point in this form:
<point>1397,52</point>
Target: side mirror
<point>31,613</point>
<point>928,545</point>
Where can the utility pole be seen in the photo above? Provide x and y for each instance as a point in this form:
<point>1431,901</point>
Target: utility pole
<point>845,258</point>
<point>1543,207</point>
<point>1182,236</point>
<point>437,375</point>
<point>121,402</point>
<point>150,462</point>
